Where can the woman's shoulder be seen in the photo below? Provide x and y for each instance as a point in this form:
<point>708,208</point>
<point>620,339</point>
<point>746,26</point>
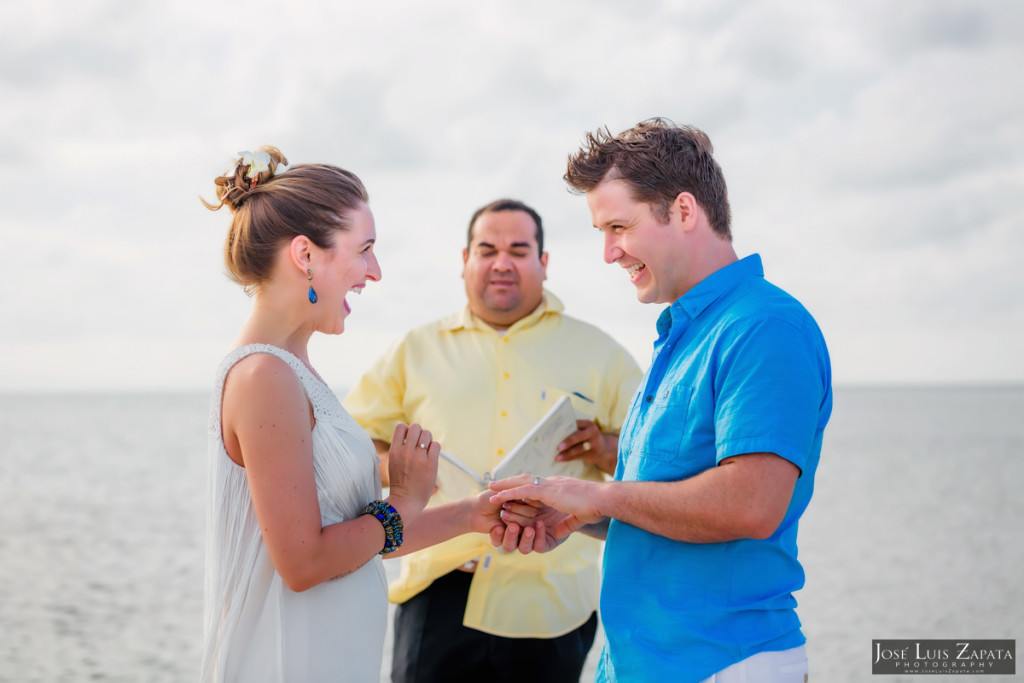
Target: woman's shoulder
<point>261,370</point>
<point>264,396</point>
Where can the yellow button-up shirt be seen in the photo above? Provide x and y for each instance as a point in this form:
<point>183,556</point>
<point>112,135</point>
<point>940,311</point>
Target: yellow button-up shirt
<point>479,391</point>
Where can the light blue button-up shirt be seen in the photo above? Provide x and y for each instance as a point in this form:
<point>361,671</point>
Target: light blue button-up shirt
<point>739,367</point>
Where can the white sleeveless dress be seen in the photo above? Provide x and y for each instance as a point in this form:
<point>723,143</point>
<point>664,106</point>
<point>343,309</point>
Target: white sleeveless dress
<point>255,628</point>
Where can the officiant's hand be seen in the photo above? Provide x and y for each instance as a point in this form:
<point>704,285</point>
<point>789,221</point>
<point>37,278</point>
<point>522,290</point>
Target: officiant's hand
<point>591,445</point>
<point>412,469</point>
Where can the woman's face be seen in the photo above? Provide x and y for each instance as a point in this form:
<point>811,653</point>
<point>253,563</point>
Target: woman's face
<point>345,267</point>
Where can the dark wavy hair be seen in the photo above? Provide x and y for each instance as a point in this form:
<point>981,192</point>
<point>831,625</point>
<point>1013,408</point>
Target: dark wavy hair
<point>658,159</point>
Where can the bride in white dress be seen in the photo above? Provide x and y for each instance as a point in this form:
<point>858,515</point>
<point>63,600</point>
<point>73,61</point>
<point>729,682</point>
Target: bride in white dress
<point>295,587</point>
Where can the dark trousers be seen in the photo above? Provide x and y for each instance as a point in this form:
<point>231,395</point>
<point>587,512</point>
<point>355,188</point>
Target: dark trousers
<point>432,645</point>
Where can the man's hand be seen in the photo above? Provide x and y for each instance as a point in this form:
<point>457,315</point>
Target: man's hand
<point>529,526</point>
<point>555,507</point>
<point>591,445</point>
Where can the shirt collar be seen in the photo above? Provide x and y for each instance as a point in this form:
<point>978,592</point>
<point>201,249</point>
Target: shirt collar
<point>465,320</point>
<point>705,292</point>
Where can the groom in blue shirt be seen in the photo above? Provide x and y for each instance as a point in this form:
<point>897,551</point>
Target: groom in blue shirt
<point>718,453</point>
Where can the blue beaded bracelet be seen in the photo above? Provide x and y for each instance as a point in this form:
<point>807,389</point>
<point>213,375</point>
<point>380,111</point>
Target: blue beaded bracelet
<point>392,522</point>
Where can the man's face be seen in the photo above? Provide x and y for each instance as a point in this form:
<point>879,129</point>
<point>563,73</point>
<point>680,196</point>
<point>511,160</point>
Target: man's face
<point>651,252</point>
<point>502,269</point>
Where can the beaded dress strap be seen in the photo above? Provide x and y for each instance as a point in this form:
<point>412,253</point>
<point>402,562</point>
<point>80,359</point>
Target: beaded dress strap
<point>325,403</point>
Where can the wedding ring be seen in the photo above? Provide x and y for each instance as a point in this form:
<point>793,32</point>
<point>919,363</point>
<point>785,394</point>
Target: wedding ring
<point>536,480</point>
<point>421,445</point>
<point>586,445</point>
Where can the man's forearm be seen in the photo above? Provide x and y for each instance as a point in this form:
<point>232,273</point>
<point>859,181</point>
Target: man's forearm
<point>744,497</point>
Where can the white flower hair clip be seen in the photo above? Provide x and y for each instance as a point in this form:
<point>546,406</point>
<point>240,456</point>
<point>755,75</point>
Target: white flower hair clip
<point>258,162</point>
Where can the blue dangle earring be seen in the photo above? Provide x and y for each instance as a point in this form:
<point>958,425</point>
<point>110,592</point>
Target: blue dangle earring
<point>312,292</point>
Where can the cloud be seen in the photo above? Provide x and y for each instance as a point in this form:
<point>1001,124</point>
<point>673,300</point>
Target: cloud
<point>873,153</point>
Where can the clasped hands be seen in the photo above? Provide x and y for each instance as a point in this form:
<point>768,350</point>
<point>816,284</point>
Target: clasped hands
<point>538,514</point>
<point>516,513</point>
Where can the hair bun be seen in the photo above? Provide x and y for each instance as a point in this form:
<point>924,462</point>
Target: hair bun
<point>251,172</point>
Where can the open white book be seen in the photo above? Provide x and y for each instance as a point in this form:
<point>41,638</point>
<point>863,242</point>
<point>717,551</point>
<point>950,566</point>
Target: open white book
<point>535,454</point>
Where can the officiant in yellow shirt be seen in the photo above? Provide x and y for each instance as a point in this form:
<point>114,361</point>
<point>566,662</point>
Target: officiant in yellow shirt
<point>479,380</point>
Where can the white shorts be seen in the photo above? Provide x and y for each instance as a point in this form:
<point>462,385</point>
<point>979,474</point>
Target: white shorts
<point>786,666</point>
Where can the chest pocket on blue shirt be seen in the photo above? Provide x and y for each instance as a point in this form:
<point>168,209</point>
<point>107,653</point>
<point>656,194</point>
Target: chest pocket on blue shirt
<point>655,451</point>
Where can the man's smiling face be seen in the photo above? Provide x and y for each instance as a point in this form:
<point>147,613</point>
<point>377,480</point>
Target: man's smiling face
<point>650,250</point>
<point>503,272</point>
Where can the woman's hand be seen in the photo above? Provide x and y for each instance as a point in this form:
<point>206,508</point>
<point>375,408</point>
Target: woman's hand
<point>412,469</point>
<point>530,526</point>
<point>485,516</point>
<point>440,523</point>
<point>554,507</point>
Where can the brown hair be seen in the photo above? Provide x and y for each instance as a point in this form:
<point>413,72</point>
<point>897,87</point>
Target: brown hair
<point>658,159</point>
<point>307,199</point>
<point>508,205</point>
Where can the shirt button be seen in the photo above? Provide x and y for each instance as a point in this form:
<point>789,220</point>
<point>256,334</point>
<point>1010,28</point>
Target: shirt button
<point>501,452</point>
<point>650,399</point>
<point>506,375</point>
<point>504,414</point>
<point>504,339</point>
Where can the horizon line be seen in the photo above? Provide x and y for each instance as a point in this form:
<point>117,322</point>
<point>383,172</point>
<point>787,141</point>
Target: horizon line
<point>168,391</point>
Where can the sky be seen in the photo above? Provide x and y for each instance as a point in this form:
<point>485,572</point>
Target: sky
<point>874,153</point>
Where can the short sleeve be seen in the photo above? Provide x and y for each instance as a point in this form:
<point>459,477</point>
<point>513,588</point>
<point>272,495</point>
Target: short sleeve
<point>773,390</point>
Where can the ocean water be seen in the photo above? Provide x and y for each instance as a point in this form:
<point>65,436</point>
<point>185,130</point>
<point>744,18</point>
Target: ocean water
<point>913,532</point>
